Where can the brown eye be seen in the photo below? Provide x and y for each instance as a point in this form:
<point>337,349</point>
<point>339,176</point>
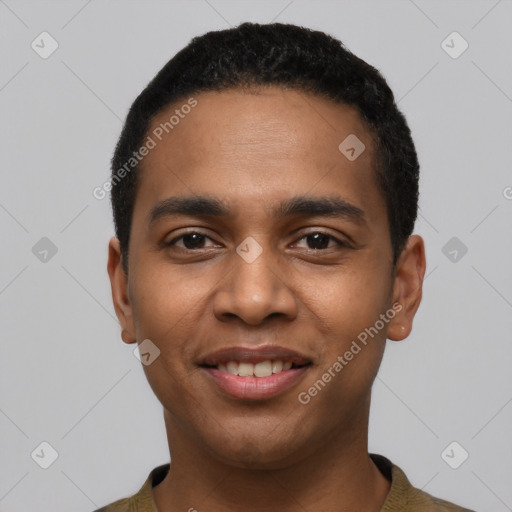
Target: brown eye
<point>189,241</point>
<point>193,240</point>
<point>320,241</point>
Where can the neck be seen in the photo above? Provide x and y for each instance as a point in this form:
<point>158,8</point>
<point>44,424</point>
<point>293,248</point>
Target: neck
<point>339,475</point>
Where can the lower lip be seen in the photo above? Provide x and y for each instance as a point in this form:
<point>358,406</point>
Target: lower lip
<point>256,388</point>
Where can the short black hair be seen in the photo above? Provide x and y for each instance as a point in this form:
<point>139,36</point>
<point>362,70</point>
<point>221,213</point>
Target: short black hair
<point>291,57</point>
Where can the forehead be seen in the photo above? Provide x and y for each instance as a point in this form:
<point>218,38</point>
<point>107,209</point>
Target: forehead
<point>259,118</point>
<point>257,145</point>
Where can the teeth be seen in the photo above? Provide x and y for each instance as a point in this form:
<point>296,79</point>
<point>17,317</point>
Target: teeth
<point>277,366</point>
<point>246,369</point>
<point>263,369</point>
<point>232,368</point>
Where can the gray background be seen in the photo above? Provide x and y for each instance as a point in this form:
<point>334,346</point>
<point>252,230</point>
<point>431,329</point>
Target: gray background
<point>67,378</point>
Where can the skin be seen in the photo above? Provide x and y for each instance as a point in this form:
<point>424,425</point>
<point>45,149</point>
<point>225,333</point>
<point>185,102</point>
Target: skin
<point>253,149</point>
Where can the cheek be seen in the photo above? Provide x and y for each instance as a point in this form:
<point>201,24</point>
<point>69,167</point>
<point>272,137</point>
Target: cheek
<point>349,300</point>
<point>166,306</point>
<point>347,309</point>
<point>163,299</point>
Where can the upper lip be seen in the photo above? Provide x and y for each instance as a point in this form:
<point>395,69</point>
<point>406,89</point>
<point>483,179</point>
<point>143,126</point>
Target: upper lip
<point>254,355</point>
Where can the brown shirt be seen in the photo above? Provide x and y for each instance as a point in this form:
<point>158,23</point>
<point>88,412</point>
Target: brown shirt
<point>402,496</point>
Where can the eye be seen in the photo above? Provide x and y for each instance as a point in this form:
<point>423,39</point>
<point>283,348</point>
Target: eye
<point>320,241</point>
<point>189,241</point>
<point>195,240</point>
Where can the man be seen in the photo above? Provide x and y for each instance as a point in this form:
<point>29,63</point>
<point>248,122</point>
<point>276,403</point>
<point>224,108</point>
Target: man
<point>265,190</point>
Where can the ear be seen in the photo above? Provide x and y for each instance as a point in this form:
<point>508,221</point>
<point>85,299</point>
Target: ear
<point>407,287</point>
<point>120,295</point>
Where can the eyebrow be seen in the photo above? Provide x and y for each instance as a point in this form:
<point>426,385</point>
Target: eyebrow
<point>203,206</point>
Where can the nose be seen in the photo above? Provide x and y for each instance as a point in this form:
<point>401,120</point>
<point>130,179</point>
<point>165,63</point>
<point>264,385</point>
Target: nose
<point>254,291</point>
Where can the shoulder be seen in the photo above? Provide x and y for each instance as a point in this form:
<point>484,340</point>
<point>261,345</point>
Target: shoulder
<point>142,501</point>
<point>404,497</point>
<point>118,506</point>
<point>421,501</point>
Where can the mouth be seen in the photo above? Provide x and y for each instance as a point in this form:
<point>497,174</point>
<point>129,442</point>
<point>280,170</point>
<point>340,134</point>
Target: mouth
<point>259,370</point>
<point>255,374</point>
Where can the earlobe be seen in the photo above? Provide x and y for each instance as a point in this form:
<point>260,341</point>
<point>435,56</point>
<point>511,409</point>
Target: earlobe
<point>120,295</point>
<point>407,288</point>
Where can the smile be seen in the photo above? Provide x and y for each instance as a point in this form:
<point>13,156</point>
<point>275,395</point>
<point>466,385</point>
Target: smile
<point>254,373</point>
<point>260,370</point>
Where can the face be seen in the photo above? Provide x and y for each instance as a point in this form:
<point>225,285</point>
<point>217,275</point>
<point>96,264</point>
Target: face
<point>257,245</point>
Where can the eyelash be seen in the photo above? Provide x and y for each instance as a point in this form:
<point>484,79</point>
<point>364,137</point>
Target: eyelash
<point>340,243</point>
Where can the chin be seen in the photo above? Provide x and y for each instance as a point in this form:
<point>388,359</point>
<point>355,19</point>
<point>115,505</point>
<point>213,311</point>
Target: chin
<point>257,452</point>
